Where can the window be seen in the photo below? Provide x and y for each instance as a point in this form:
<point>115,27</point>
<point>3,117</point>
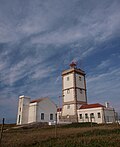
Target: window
<point>80,78</point>
<point>20,109</point>
<point>99,116</point>
<point>42,116</point>
<point>68,106</point>
<point>81,91</point>
<point>19,119</point>
<point>107,118</point>
<point>67,78</point>
<point>68,91</point>
<point>92,115</point>
<point>86,115</point>
<point>68,116</point>
<point>80,116</point>
<point>51,116</point>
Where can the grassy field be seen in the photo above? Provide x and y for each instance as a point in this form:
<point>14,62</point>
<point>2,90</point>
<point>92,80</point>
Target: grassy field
<point>73,135</point>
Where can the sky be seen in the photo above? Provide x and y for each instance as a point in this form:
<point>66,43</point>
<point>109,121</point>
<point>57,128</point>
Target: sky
<point>39,39</point>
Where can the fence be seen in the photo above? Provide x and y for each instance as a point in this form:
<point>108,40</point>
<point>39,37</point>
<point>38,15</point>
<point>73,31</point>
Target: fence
<point>1,133</point>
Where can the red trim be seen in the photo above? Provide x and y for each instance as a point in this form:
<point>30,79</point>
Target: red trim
<point>73,64</point>
<point>37,100</point>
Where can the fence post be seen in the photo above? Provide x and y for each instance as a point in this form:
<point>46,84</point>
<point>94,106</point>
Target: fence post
<point>91,121</point>
<point>1,133</point>
<point>117,120</point>
<point>56,125</point>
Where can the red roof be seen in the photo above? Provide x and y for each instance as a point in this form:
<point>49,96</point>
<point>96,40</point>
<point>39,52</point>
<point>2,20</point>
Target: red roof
<point>87,106</point>
<point>37,100</point>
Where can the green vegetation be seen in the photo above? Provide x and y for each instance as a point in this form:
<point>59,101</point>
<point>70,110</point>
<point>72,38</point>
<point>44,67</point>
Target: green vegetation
<point>77,125</point>
<point>72,135</point>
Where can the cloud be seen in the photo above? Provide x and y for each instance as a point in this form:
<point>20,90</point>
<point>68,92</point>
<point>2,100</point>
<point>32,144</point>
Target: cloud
<point>39,39</point>
<point>87,52</point>
<point>55,25</point>
<point>104,64</point>
<point>107,87</point>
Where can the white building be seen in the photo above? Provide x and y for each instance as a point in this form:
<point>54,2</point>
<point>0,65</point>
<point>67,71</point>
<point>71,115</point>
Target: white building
<point>75,107</point>
<point>96,113</point>
<point>74,104</point>
<point>40,110</point>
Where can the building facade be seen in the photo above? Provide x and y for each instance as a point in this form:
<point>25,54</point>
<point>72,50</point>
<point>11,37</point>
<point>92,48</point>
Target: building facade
<point>96,113</point>
<point>40,110</point>
<point>75,107</point>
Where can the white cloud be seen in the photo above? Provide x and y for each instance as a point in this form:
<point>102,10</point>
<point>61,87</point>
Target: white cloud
<point>104,64</point>
<point>42,72</point>
<point>50,22</point>
<point>104,86</point>
<point>87,52</point>
<point>40,28</point>
<point>31,66</point>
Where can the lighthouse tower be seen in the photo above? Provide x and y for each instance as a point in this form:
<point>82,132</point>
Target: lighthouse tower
<point>74,92</point>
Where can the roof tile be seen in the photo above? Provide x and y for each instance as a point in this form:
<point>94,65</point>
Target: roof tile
<point>87,106</point>
<point>37,100</point>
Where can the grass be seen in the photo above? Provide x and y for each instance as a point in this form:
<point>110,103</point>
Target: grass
<point>72,135</point>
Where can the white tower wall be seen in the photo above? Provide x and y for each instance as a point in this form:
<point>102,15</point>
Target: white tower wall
<point>74,92</point>
<point>69,110</point>
<point>80,81</point>
<point>23,110</point>
<point>68,81</point>
<point>68,95</point>
<point>32,112</point>
<point>81,97</point>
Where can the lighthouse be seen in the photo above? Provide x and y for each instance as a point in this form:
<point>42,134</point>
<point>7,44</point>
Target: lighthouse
<point>74,92</point>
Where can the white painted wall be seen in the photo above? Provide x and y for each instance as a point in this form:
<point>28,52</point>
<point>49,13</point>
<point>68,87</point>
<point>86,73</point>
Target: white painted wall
<point>68,111</point>
<point>66,83</point>
<point>59,113</point>
<point>89,111</point>
<point>109,115</point>
<point>23,110</point>
<point>80,83</point>
<point>20,108</point>
<point>81,96</point>
<point>47,107</point>
<point>32,112</point>
<point>68,95</point>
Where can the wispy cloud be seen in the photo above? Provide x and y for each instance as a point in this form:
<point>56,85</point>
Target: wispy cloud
<point>104,64</point>
<point>40,38</point>
<point>107,86</point>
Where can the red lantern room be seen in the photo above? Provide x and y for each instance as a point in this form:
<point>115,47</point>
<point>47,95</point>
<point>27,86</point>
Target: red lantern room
<point>73,65</point>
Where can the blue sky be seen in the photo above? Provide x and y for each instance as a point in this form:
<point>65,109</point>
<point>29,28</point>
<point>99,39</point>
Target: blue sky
<point>39,39</point>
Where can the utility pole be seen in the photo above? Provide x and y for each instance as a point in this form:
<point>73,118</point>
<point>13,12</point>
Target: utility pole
<point>59,105</point>
<point>1,133</point>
